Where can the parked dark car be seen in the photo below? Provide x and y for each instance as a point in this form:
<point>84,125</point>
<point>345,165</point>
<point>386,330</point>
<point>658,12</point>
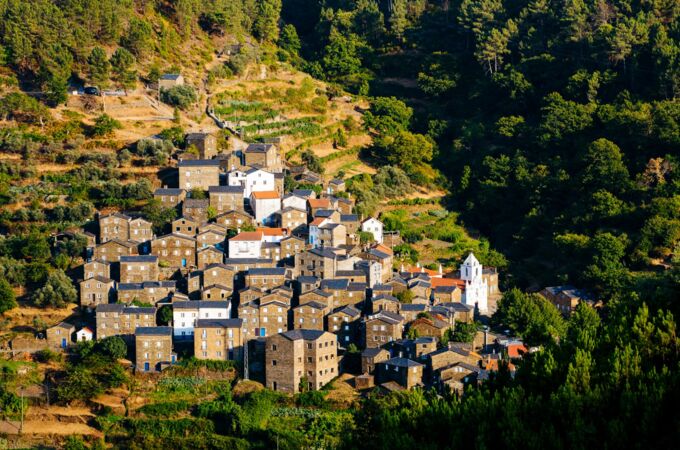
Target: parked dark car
<point>92,90</point>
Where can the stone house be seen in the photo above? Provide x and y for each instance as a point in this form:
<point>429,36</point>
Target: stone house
<point>170,80</point>
<point>140,230</point>
<point>96,290</point>
<point>382,328</point>
<point>446,294</point>
<point>245,264</point>
<point>59,337</point>
<point>138,268</point>
<point>219,339</point>
<point>300,355</point>
<point>385,303</point>
<point>318,296</point>
<point>235,219</point>
<point>112,250</point>
<point>336,185</point>
<point>291,218</point>
<point>226,198</point>
<point>114,226</point>
<point>185,225</point>
<point>96,268</point>
<point>273,317</point>
<point>206,256</point>
<point>216,292</point>
<point>403,371</point>
<point>345,205</point>
<point>153,348</point>
<point>219,274</point>
<point>415,349</point>
<point>148,292</point>
<point>199,174</point>
<point>116,319</point>
<point>169,197</point>
<point>305,284</point>
<point>263,155</point>
<point>206,144</point>
<point>344,322</point>
<point>292,245</point>
<point>332,235</point>
<point>410,311</point>
<point>310,316</point>
<point>429,327</point>
<point>211,237</point>
<point>196,208</point>
<point>371,357</point>
<point>318,262</point>
<point>175,250</point>
<point>271,250</point>
<point>266,278</point>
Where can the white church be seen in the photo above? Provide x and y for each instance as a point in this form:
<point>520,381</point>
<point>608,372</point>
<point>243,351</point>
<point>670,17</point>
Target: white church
<point>476,291</point>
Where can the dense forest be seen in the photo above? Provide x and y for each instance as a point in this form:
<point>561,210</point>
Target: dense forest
<point>553,124</point>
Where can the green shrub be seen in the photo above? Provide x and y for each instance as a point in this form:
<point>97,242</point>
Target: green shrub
<point>180,96</point>
<point>164,409</point>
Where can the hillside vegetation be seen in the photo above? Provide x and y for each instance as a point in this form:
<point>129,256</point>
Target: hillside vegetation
<point>553,126</point>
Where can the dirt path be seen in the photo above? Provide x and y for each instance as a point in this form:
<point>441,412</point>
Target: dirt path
<point>47,428</point>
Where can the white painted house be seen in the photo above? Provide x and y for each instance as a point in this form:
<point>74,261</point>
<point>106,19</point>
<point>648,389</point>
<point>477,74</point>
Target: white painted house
<point>374,226</point>
<point>254,180</point>
<point>315,231</point>
<point>185,315</point>
<point>84,334</point>
<point>294,201</point>
<point>247,244</point>
<point>476,291</point>
<point>264,205</point>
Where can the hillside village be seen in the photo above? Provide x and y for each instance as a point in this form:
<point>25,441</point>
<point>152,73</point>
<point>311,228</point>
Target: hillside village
<point>292,286</point>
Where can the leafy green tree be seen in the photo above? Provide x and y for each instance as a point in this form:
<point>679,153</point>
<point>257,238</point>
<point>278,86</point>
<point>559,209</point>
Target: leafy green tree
<point>289,40</point>
<point>113,347</point>
<point>165,314</point>
<point>407,150</point>
<point>464,332</point>
<point>180,96</point>
<point>388,115</point>
<point>604,167</point>
<point>7,297</point>
<point>530,316</point>
<point>99,66</point>
<point>266,25</point>
<point>105,125</point>
<point>138,38</point>
<point>122,62</point>
<point>57,292</point>
<point>341,56</point>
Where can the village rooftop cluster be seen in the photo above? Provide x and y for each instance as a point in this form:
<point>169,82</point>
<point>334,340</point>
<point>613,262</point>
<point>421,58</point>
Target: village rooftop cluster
<point>281,283</point>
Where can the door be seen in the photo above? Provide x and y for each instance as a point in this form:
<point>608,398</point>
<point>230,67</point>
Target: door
<point>263,331</point>
<point>146,367</point>
<point>63,342</point>
<point>184,262</point>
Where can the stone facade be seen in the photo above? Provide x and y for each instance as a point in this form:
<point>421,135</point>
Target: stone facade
<point>137,269</point>
<point>205,143</point>
<point>199,174</point>
<point>300,355</point>
<point>175,250</point>
<point>382,328</point>
<point>310,316</point>
<point>96,291</point>
<point>226,198</point>
<point>219,339</point>
<point>153,348</point>
<point>169,197</point>
<point>120,320</point>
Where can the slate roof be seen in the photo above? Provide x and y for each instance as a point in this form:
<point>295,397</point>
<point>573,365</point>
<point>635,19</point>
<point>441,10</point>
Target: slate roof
<point>198,163</point>
<point>271,271</point>
<point>139,259</point>
<point>226,189</point>
<point>168,191</point>
<point>307,335</point>
<point>219,323</point>
<point>334,284</point>
<point>402,362</point>
<point>153,331</point>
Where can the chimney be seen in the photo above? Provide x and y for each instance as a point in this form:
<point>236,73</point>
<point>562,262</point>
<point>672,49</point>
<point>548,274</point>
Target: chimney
<point>441,270</point>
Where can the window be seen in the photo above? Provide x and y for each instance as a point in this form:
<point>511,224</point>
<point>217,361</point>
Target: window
<point>274,347</point>
<point>273,362</point>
